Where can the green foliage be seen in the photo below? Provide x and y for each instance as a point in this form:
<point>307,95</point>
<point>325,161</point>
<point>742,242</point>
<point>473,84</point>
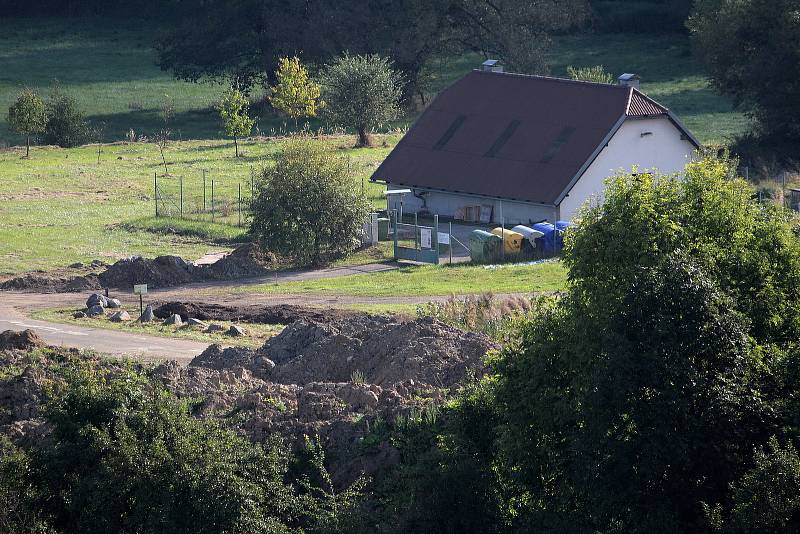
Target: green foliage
<point>306,206</point>
<point>634,403</point>
<point>234,116</point>
<point>361,92</point>
<point>480,313</point>
<point>16,492</point>
<point>295,94</point>
<point>595,74</point>
<point>751,49</point>
<point>125,456</point>
<point>640,16</point>
<point>27,116</point>
<point>66,126</point>
<point>767,497</point>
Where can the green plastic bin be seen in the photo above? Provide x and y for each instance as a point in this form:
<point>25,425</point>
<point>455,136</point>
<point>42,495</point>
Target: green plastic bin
<point>383,229</point>
<point>484,247</point>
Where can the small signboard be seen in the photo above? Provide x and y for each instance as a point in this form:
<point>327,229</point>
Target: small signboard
<point>444,238</point>
<point>425,235</point>
<point>140,289</point>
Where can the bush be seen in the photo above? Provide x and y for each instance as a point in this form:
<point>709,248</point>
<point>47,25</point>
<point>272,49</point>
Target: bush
<point>65,125</point>
<point>126,456</point>
<point>307,206</point>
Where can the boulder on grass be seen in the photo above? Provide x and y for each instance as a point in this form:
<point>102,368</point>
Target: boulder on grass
<point>236,331</point>
<point>94,311</point>
<point>96,299</point>
<point>119,317</point>
<point>214,328</point>
<point>147,315</point>
<point>196,322</point>
<point>173,320</point>
<point>79,315</point>
<point>114,303</point>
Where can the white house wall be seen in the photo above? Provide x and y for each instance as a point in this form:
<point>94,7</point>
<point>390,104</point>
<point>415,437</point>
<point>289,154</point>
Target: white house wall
<point>446,205</point>
<point>663,150</point>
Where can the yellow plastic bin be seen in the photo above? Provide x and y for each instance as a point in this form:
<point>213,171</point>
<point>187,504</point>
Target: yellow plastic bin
<point>512,241</point>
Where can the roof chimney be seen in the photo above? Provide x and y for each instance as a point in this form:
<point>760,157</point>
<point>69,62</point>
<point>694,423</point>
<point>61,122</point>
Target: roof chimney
<point>491,65</point>
<point>629,80</point>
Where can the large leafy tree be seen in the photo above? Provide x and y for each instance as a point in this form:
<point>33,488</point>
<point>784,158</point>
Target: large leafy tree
<point>636,401</point>
<point>295,94</point>
<point>27,116</point>
<point>361,92</point>
<point>751,49</point>
<point>306,206</point>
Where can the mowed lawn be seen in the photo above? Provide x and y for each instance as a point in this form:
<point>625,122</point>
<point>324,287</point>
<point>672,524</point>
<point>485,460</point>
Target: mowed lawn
<point>432,280</point>
<point>61,206</point>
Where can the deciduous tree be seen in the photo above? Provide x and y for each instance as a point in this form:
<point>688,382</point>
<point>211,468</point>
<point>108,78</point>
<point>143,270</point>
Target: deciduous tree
<point>233,112</point>
<point>295,94</point>
<point>27,116</point>
<point>361,92</point>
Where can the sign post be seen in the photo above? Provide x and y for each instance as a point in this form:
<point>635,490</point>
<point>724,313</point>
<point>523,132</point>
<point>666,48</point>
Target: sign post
<point>140,289</point>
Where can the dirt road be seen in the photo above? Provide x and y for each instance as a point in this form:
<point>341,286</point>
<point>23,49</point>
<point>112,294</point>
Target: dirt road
<point>15,309</point>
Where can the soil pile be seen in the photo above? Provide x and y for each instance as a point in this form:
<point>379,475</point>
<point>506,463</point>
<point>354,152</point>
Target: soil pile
<point>277,314</point>
<point>379,350</point>
<point>163,271</point>
<point>246,261</point>
<point>25,340</point>
<point>45,283</point>
<point>334,379</point>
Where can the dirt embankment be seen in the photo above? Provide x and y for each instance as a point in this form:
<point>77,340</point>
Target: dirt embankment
<point>246,261</point>
<point>279,314</point>
<point>333,378</point>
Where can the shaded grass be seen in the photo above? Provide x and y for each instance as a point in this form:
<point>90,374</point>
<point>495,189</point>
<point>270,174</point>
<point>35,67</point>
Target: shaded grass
<point>415,281</point>
<point>257,334</point>
<point>109,66</point>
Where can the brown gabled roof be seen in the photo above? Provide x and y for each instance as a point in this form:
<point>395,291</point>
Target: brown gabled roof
<point>511,136</point>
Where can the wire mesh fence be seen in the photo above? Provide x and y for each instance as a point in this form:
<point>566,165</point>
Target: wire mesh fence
<point>202,197</point>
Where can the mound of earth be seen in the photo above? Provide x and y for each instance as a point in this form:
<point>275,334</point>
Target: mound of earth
<point>25,340</point>
<point>334,379</point>
<point>278,314</point>
<point>246,261</point>
<point>163,271</point>
<point>44,283</point>
<point>376,349</point>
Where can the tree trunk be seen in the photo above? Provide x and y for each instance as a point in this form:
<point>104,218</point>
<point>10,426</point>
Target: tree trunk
<point>236,145</point>
<point>363,137</point>
<point>27,146</point>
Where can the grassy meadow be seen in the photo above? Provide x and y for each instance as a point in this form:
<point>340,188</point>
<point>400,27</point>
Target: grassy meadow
<point>431,280</point>
<point>61,206</point>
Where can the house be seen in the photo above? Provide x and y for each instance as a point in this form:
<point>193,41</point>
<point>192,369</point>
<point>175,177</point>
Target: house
<point>521,149</point>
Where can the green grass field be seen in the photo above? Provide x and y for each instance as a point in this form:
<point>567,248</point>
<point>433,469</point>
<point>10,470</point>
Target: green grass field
<point>61,206</point>
<point>109,66</point>
<point>431,280</point>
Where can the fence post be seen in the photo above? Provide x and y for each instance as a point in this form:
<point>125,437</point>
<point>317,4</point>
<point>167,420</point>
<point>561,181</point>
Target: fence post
<point>240,203</point>
<point>416,232</point>
<point>181,187</point>
<point>503,240</point>
<point>394,219</point>
<point>212,200</point>
<point>155,190</point>
<point>204,190</point>
<point>450,240</point>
